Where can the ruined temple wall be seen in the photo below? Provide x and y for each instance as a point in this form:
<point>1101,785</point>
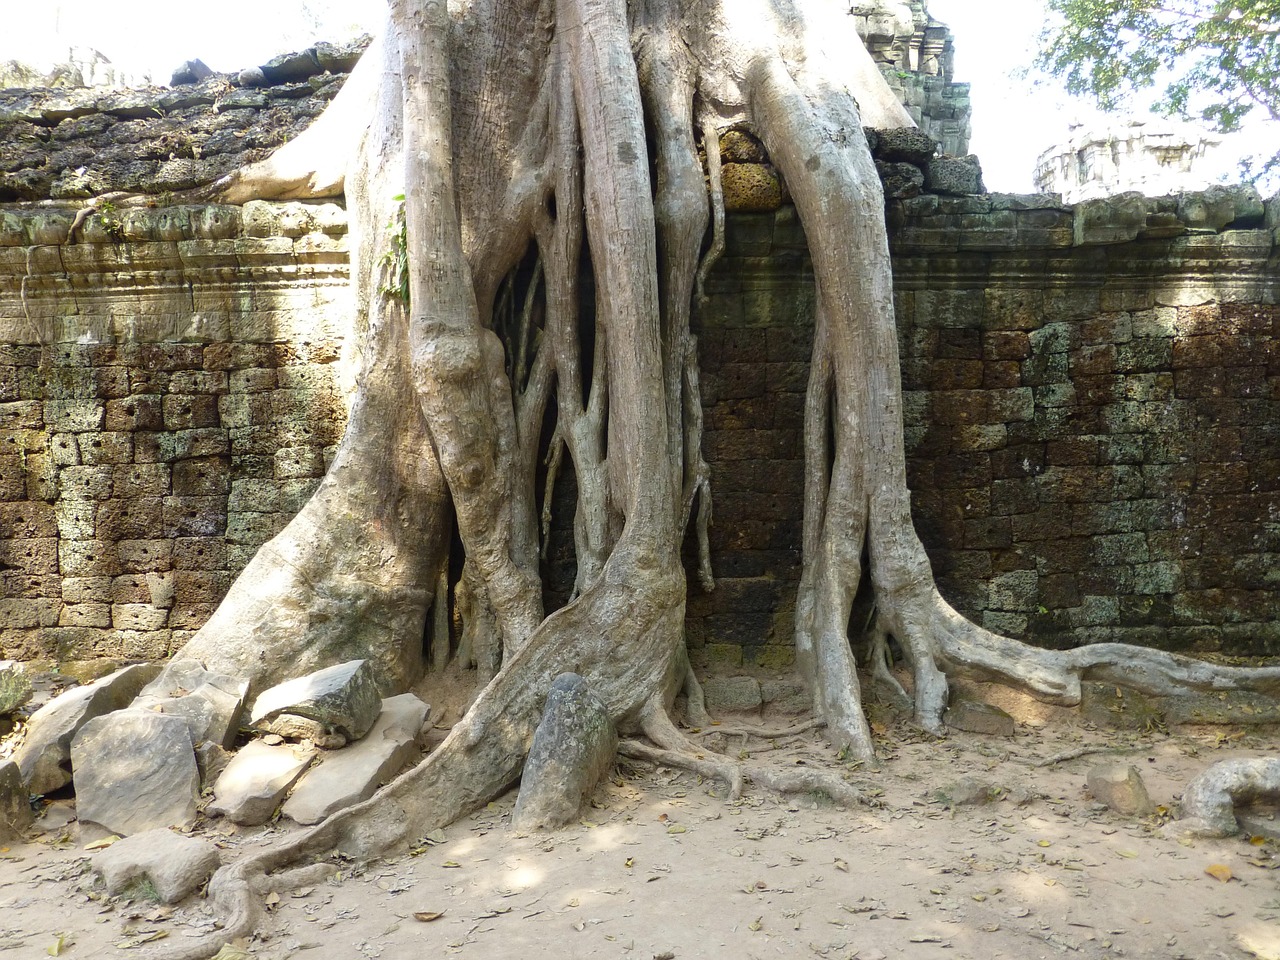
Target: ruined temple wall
<point>1092,417</point>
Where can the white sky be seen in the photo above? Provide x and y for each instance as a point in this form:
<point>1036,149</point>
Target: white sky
<point>1013,123</point>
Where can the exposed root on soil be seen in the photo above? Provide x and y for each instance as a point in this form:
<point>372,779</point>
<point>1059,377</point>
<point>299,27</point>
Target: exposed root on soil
<point>760,733</point>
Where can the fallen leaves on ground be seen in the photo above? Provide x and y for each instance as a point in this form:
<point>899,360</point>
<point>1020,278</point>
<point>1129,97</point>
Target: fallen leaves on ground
<point>1219,871</point>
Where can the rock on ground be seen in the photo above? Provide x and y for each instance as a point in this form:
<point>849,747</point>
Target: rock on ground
<point>44,757</point>
<point>1208,803</point>
<point>573,748</point>
<point>1120,787</point>
<point>15,810</point>
<point>343,698</point>
<point>210,703</point>
<point>975,716</point>
<point>135,771</point>
<point>15,689</point>
<point>345,777</point>
<point>256,780</point>
<point>175,865</point>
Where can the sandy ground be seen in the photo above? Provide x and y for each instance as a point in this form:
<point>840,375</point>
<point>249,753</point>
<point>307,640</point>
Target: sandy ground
<point>663,867</point>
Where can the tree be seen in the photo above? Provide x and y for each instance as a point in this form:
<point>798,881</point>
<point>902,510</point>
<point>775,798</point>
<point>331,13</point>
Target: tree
<point>496,142</point>
<point>1213,60</point>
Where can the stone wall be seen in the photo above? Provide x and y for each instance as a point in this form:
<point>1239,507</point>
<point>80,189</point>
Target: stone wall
<point>1092,420</point>
<point>1091,416</point>
<point>166,405</point>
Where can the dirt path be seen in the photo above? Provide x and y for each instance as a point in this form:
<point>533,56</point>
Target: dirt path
<point>664,868</point>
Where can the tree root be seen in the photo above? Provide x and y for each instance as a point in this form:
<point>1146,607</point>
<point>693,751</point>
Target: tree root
<point>1208,803</point>
<point>761,733</point>
<point>1079,752</point>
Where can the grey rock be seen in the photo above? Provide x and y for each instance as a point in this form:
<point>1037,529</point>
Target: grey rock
<point>175,865</point>
<point>1163,226</point>
<point>15,689</point>
<point>340,58</point>
<point>786,695</point>
<point>256,781</point>
<point>191,71</point>
<point>573,748</point>
<point>212,704</point>
<point>292,67</point>
<point>15,807</point>
<point>1222,206</point>
<point>906,143</point>
<point>954,176</point>
<point>975,716</point>
<point>1117,219</point>
<point>1120,787</point>
<point>135,771</point>
<point>732,693</point>
<point>345,777</point>
<point>300,728</point>
<point>211,760</point>
<point>252,77</point>
<point>44,757</point>
<point>343,698</point>
<point>900,180</point>
<point>966,792</point>
<point>1208,803</point>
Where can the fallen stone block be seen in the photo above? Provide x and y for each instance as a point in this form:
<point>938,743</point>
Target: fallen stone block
<point>135,770</point>
<point>966,792</point>
<point>44,757</point>
<point>343,698</point>
<point>212,704</point>
<point>975,716</point>
<point>15,689</point>
<point>344,777</point>
<point>15,807</point>
<point>1120,787</point>
<point>173,864</point>
<point>732,693</point>
<point>256,781</point>
<point>1208,803</point>
<point>1117,219</point>
<point>573,748</point>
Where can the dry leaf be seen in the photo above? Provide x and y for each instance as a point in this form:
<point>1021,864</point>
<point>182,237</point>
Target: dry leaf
<point>756,924</point>
<point>1044,843</point>
<point>101,844</point>
<point>55,949</point>
<point>1219,871</point>
<point>629,862</point>
<point>1257,841</point>
<point>676,828</point>
<point>1128,854</point>
<point>449,864</point>
<point>842,865</point>
<point>230,951</point>
<point>572,903</point>
<point>427,916</point>
<point>271,900</point>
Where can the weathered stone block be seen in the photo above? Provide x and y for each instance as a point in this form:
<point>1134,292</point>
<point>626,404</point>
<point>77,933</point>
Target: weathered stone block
<point>1121,788</point>
<point>174,865</point>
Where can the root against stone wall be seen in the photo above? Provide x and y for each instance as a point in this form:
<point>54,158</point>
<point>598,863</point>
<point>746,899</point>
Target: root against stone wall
<point>534,123</point>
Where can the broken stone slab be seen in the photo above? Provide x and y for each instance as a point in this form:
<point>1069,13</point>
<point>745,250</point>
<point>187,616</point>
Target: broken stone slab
<point>44,757</point>
<point>573,748</point>
<point>300,728</point>
<point>15,807</point>
<point>1220,206</point>
<point>954,176</point>
<point>1117,219</point>
<point>135,770</point>
<point>174,865</point>
<point>212,704</point>
<point>256,781</point>
<point>1120,787</point>
<point>345,777</point>
<point>343,698</point>
<point>15,688</point>
<point>976,716</point>
<point>966,792</point>
<point>211,760</point>
<point>1208,803</point>
<point>732,693</point>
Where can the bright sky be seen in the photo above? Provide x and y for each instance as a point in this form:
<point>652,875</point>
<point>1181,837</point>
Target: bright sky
<point>1012,124</point>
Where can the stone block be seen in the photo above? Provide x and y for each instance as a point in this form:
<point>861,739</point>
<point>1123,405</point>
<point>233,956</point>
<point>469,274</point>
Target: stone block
<point>344,777</point>
<point>134,771</point>
<point>573,747</point>
<point>1121,788</point>
<point>256,781</point>
<point>954,176</point>
<point>1117,219</point>
<point>210,703</point>
<point>736,694</point>
<point>15,807</point>
<point>975,716</point>
<point>343,698</point>
<point>751,188</point>
<point>175,866</point>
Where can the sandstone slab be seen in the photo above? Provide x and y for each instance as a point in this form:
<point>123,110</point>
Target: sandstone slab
<point>212,704</point>
<point>15,809</point>
<point>975,716</point>
<point>1120,787</point>
<point>175,865</point>
<point>256,781</point>
<point>345,777</point>
<point>343,698</point>
<point>135,770</point>
<point>44,757</point>
<point>15,689</point>
<point>573,748</point>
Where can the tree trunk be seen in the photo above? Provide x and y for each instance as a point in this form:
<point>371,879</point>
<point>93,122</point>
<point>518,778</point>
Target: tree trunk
<point>515,131</point>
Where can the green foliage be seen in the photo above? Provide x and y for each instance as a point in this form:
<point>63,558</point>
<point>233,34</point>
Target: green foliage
<point>1214,61</point>
<point>110,220</point>
<point>395,262</point>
